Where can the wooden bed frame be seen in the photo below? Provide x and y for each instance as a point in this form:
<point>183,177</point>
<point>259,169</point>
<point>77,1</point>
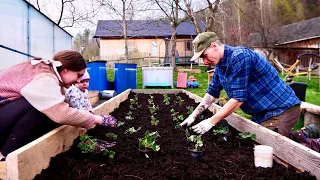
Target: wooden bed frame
<point>31,159</point>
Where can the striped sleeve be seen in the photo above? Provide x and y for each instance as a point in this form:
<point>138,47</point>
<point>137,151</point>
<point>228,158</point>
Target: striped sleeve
<point>44,93</point>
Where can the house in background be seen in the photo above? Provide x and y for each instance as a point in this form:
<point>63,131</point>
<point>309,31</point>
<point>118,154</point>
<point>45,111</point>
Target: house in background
<point>294,39</point>
<point>28,31</point>
<point>146,38</point>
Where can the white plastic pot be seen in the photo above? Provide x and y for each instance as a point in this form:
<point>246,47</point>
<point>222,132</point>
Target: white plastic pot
<point>263,156</point>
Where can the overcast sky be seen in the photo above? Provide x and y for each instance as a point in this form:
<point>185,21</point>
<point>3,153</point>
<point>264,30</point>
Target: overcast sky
<point>51,8</point>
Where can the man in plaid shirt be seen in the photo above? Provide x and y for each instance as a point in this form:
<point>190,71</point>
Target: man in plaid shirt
<point>251,83</point>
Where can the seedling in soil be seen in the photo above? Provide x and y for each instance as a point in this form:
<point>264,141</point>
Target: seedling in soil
<point>112,136</point>
<point>190,109</point>
<point>120,123</point>
<point>196,139</point>
<point>172,110</point>
<point>166,99</point>
<point>180,117</point>
<point>129,117</point>
<point>110,153</point>
<point>149,141</point>
<point>87,144</point>
<point>150,100</point>
<point>154,121</point>
<point>247,135</point>
<point>201,117</point>
<point>219,130</point>
<point>245,140</point>
<point>179,100</point>
<point>153,109</point>
<point>132,130</point>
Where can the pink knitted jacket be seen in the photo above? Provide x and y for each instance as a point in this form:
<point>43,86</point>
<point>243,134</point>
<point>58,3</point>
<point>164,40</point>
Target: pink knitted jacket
<point>40,86</point>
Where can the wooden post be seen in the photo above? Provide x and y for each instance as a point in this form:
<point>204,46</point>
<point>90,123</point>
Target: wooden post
<point>309,73</point>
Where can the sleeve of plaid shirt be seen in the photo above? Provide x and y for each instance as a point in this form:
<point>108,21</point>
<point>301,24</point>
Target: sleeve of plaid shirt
<point>214,86</point>
<point>238,78</point>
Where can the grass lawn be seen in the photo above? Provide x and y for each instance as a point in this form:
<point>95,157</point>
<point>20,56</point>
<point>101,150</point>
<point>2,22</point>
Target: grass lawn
<point>312,93</point>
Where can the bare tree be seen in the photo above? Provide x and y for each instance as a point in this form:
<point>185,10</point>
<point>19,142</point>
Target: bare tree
<point>170,8</point>
<point>68,13</point>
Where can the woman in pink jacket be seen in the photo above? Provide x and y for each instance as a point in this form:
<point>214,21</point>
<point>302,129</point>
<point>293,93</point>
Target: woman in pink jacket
<point>32,101</point>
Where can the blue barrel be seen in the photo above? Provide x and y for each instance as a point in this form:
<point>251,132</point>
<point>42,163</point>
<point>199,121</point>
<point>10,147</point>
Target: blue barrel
<point>98,75</point>
<point>125,77</point>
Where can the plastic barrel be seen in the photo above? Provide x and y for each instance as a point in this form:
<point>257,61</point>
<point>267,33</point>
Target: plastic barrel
<point>124,77</point>
<point>299,89</point>
<point>131,71</point>
<point>98,75</point>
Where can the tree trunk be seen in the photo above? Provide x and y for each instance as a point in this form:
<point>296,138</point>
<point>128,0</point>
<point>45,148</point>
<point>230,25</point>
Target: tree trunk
<point>125,29</point>
<point>173,42</point>
<point>193,17</point>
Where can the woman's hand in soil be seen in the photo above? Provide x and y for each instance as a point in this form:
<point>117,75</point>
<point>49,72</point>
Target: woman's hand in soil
<point>109,120</point>
<point>203,127</point>
<point>188,121</point>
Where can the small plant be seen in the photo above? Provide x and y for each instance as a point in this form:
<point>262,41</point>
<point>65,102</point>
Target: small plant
<point>129,117</point>
<point>149,141</point>
<point>201,117</point>
<point>112,136</point>
<point>179,100</point>
<point>247,135</point>
<point>153,109</point>
<point>150,101</point>
<point>154,121</point>
<point>180,117</point>
<point>120,123</point>
<point>132,130</point>
<point>87,144</point>
<point>196,140</point>
<point>172,110</point>
<point>220,130</point>
<point>111,153</point>
<point>166,99</point>
<point>190,109</point>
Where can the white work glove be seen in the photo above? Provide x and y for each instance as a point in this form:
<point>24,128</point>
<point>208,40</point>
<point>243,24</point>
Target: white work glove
<point>202,127</point>
<point>188,121</point>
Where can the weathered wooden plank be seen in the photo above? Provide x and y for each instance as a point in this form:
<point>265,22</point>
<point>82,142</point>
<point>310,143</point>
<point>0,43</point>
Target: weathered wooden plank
<point>294,153</point>
<point>29,160</point>
<point>93,96</point>
<point>3,170</point>
<point>113,103</point>
<point>314,109</point>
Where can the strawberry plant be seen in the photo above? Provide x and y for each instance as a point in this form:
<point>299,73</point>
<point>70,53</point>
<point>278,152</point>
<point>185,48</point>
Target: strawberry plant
<point>120,123</point>
<point>111,136</point>
<point>179,100</point>
<point>196,139</point>
<point>132,130</point>
<point>153,109</point>
<point>149,141</point>
<point>220,130</point>
<point>190,109</point>
<point>154,121</point>
<point>247,135</point>
<point>87,144</point>
<point>166,99</point>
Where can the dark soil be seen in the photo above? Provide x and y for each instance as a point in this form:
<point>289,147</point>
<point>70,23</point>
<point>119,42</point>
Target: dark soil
<point>221,160</point>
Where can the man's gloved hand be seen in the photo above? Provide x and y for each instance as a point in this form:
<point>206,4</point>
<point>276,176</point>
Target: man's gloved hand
<point>108,120</point>
<point>202,127</point>
<point>188,121</point>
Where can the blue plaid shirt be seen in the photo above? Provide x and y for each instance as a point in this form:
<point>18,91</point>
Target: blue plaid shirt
<point>248,77</point>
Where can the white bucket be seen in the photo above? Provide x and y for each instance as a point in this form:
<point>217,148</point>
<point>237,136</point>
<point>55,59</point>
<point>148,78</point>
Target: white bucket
<point>263,156</point>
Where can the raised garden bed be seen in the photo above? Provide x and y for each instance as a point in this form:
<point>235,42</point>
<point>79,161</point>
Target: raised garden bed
<point>221,160</point>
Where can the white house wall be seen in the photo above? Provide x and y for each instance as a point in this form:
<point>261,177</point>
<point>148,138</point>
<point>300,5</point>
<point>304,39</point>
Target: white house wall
<point>40,38</point>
